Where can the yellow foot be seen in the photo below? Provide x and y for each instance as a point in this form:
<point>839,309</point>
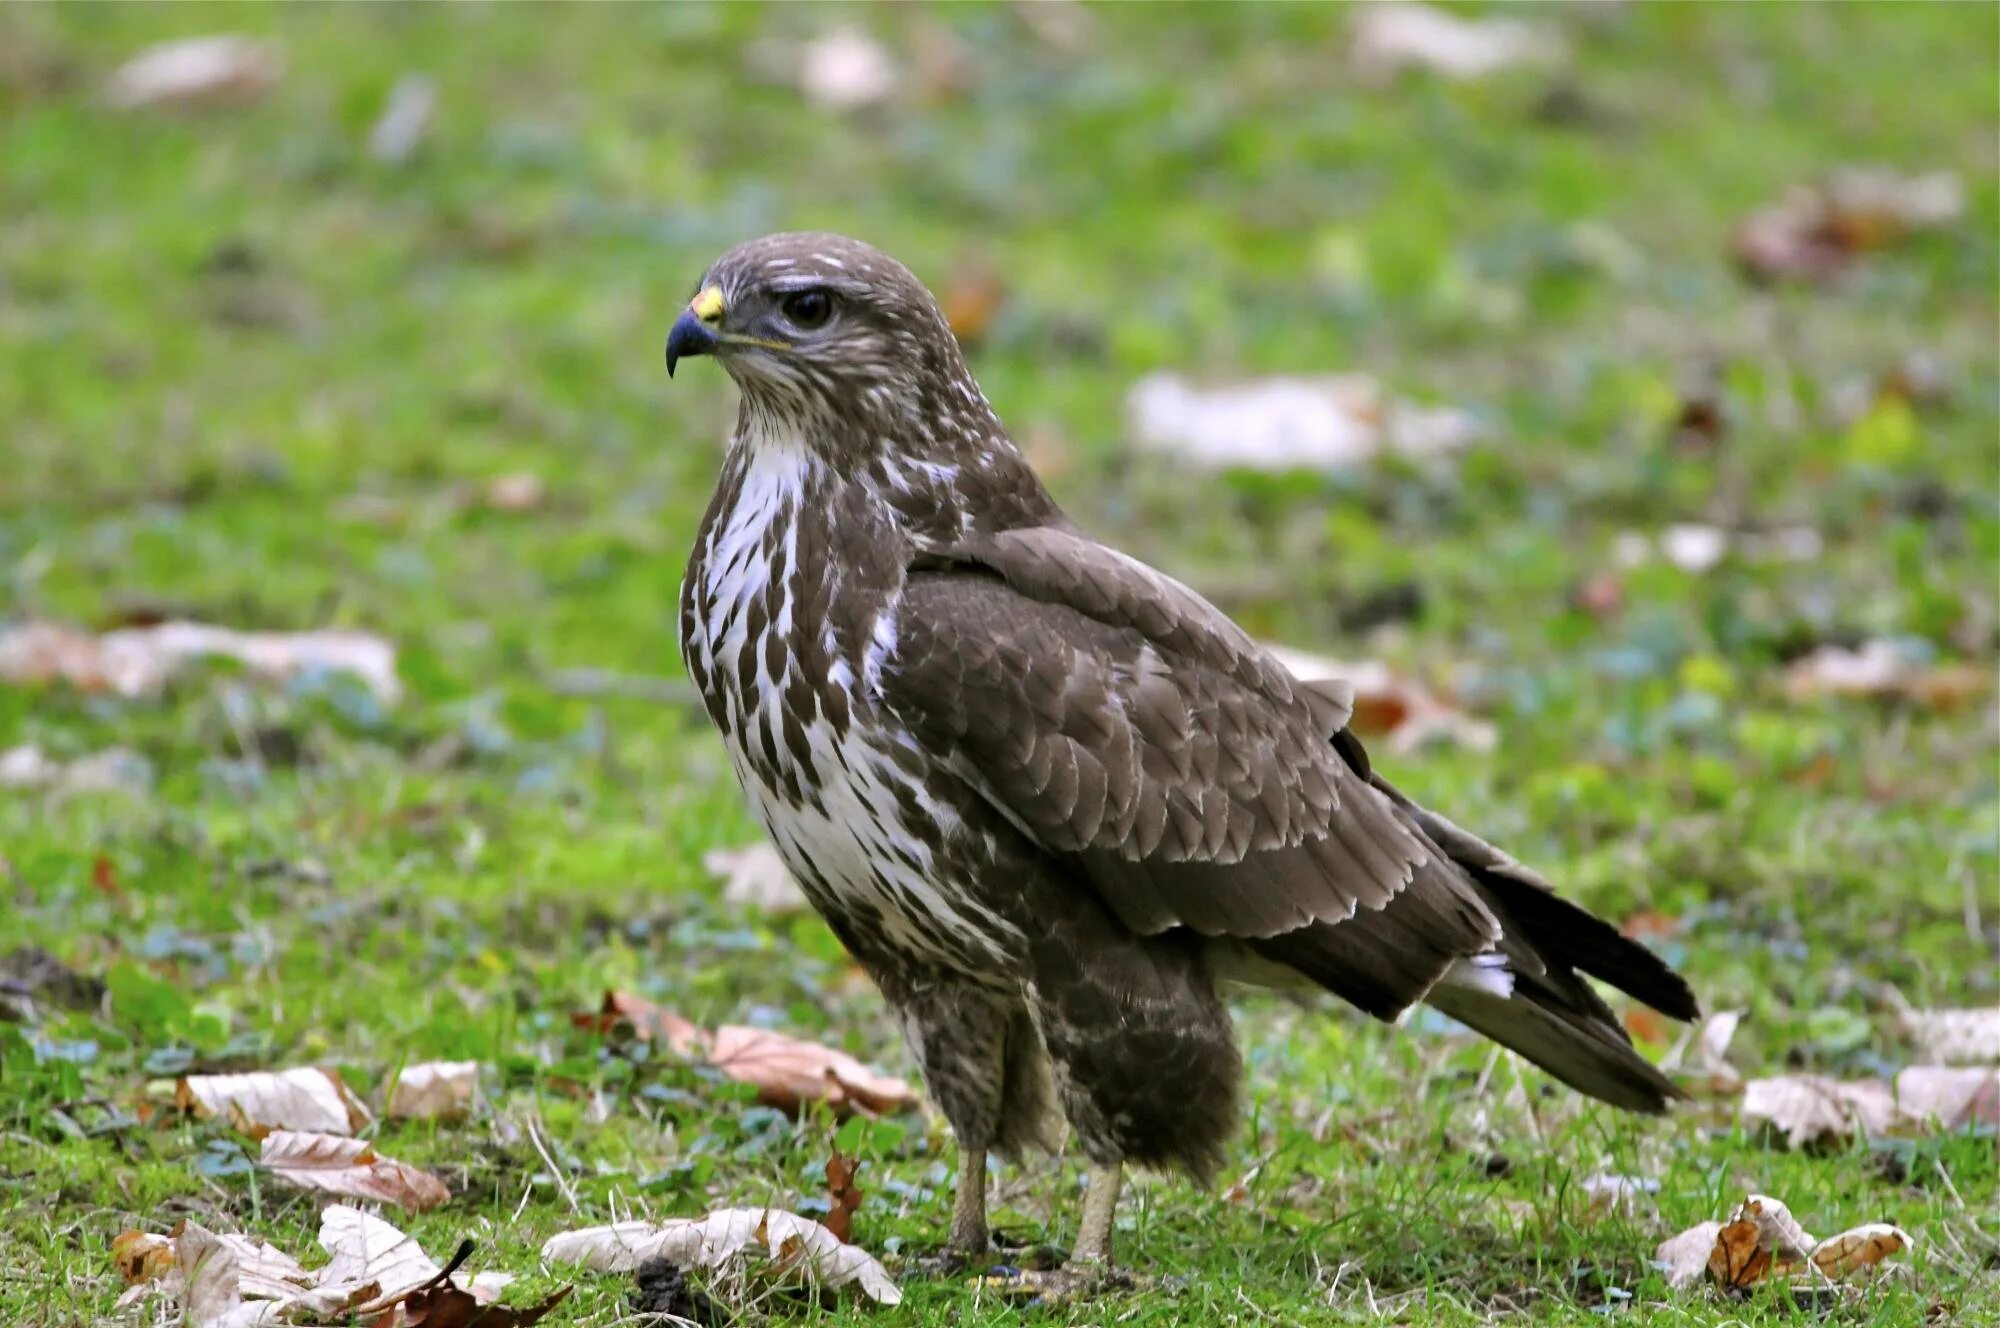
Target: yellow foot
<point>1072,1283</point>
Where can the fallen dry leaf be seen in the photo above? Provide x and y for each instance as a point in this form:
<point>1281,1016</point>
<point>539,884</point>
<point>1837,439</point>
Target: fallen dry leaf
<point>1955,1037</point>
<point>376,1276</point>
<point>723,1242</point>
<point>846,69</point>
<point>405,119</point>
<point>197,71</point>
<point>1882,669</point>
<point>754,876</point>
<point>1762,1239</point>
<point>141,1256</point>
<point>113,770</point>
<point>1286,424</point>
<point>349,1167</point>
<point>139,661</point>
<point>843,1195</point>
<point>441,1303</point>
<point>1819,233</point>
<point>1389,38</point>
<point>1862,1248</point>
<point>517,491</point>
<point>1810,1109</point>
<point>304,1098</point>
<point>1684,1258</point>
<point>434,1090</point>
<point>1606,1192</point>
<point>786,1071</point>
<point>1406,713</point>
<point>1738,1259</point>
<point>971,296</point>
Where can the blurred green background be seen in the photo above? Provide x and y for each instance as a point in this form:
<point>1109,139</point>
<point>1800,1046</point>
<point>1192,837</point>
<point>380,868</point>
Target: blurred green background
<point>259,374</point>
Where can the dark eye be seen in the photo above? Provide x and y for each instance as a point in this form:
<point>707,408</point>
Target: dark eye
<point>808,309</point>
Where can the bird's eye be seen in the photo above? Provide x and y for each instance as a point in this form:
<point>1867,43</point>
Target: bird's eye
<point>808,309</point>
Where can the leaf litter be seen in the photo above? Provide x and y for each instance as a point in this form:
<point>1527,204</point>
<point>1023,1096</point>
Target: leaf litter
<point>739,1246</point>
<point>375,1277</point>
<point>305,1098</point>
<point>434,1090</point>
<point>787,1072</point>
<point>140,661</point>
<point>1762,1241</point>
<point>350,1168</point>
<point>1327,423</point>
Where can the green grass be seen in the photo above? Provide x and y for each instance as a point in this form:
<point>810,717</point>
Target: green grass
<point>254,377</point>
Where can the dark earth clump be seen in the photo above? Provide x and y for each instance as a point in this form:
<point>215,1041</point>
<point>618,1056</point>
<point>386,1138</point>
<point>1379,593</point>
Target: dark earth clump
<point>660,1287</point>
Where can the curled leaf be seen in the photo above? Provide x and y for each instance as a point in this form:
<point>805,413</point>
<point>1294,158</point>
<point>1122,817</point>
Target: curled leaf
<point>789,1247</point>
<point>434,1090</point>
<point>349,1167</point>
<point>1860,1250</point>
<point>304,1098</point>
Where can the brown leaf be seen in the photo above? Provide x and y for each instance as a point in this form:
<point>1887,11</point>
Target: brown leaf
<point>971,297</point>
<point>1405,712</point>
<point>786,1071</point>
<point>1738,1260</point>
<point>1777,1230</point>
<point>442,1303</point>
<point>141,1256</point>
<point>349,1167</point>
<point>1817,234</point>
<point>843,1194</point>
<point>1860,1249</point>
<point>304,1098</point>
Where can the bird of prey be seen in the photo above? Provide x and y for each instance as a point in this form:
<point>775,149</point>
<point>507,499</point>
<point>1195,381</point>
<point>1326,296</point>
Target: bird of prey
<point>1048,797</point>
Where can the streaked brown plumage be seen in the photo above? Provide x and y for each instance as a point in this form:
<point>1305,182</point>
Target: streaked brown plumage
<point>1047,796</point>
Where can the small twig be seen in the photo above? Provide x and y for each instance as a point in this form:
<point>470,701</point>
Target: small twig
<point>568,1192</point>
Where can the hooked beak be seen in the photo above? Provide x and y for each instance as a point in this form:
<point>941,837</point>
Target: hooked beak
<point>696,331</point>
<point>690,336</point>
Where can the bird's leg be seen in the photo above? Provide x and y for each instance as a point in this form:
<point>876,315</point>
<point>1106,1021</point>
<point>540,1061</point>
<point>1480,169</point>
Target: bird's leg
<point>1100,1209</point>
<point>1089,1268</point>
<point>968,1209</point>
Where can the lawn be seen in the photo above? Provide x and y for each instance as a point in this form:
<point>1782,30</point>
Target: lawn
<point>255,376</point>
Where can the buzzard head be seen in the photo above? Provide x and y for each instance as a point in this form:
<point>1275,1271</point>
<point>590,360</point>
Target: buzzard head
<point>811,323</point>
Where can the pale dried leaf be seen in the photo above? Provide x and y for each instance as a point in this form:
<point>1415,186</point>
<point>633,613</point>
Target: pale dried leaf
<point>405,118</point>
<point>1394,36</point>
<point>139,661</point>
<point>1288,424</point>
<point>367,1251</point>
<point>303,1098</point>
<point>434,1090</point>
<point>1607,1192</point>
<point>1882,669</point>
<point>196,71</point>
<point>1809,1108</point>
<point>350,1167</point>
<point>518,491</point>
<point>1777,1230</point>
<point>846,69</point>
<point>796,1246</point>
<point>113,770</point>
<point>1949,1097</point>
<point>754,876</point>
<point>213,1284</point>
<point>1684,1258</point>
<point>1955,1037</point>
<point>1860,1249</point>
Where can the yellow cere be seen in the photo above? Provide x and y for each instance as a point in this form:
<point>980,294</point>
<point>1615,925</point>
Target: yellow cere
<point>707,306</point>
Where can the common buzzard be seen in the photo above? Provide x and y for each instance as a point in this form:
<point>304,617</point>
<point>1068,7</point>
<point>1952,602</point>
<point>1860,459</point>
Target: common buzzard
<point>1048,797</point>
